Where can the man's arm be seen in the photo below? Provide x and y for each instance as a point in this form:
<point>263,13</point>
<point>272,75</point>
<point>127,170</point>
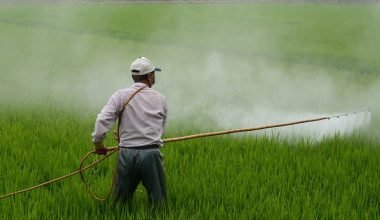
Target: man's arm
<point>105,119</point>
<point>165,117</point>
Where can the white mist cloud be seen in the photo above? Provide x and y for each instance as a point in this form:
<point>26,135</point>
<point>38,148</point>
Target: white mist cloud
<point>265,94</point>
<point>204,86</point>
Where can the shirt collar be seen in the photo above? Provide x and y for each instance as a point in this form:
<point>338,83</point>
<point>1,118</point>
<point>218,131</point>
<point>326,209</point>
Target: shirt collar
<point>139,85</point>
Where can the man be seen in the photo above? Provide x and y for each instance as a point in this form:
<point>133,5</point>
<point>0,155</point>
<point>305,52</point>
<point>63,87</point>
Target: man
<point>142,124</point>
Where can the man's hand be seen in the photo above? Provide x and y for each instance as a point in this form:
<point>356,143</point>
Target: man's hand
<point>100,149</point>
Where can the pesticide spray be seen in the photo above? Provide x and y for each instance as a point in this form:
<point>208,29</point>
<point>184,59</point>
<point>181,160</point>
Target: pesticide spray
<point>337,124</point>
<point>228,84</point>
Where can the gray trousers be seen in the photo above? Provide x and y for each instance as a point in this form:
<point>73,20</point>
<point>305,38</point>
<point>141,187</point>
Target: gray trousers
<point>140,165</point>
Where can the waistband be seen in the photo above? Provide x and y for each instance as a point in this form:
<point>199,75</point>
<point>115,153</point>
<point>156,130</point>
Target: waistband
<point>146,147</point>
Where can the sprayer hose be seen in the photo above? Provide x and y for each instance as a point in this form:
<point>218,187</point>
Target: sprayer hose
<point>112,151</point>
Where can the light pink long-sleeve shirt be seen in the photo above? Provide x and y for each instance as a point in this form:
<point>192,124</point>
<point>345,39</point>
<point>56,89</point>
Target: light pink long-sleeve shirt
<point>143,121</point>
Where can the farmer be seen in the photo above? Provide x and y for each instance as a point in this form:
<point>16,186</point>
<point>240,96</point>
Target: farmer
<point>142,123</point>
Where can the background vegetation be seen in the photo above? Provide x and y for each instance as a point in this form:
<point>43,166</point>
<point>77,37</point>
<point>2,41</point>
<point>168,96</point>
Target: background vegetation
<point>59,64</point>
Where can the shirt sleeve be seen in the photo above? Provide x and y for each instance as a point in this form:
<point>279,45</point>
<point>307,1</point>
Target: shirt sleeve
<point>106,118</point>
<point>165,117</point>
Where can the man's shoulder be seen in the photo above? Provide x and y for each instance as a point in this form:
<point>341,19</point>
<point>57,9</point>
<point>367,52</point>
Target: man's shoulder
<point>123,92</point>
<point>157,93</point>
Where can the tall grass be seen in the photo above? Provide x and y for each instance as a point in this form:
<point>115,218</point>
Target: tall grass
<point>220,177</point>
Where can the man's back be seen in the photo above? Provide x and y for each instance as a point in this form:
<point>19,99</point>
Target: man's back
<point>144,118</point>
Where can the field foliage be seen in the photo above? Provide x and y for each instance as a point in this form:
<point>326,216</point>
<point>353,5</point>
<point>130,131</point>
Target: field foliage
<point>59,64</point>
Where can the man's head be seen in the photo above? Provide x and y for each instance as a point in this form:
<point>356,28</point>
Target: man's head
<point>143,70</point>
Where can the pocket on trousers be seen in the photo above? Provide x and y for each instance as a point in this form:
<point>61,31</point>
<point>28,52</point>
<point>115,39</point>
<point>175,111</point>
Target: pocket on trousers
<point>161,156</point>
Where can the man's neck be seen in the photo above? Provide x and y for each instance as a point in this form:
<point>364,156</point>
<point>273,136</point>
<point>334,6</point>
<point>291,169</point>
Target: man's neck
<point>147,83</point>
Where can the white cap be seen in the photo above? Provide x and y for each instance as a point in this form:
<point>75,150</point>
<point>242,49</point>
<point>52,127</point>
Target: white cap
<point>142,66</point>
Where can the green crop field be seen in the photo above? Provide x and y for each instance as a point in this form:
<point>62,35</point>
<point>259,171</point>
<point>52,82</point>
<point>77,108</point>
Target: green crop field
<point>224,66</point>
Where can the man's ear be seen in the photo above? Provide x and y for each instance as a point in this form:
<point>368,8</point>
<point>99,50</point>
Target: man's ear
<point>150,78</point>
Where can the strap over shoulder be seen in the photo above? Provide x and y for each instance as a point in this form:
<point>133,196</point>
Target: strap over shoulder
<point>117,133</point>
